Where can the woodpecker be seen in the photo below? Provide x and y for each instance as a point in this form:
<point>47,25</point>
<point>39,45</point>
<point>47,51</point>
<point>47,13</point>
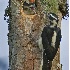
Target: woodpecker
<point>51,37</point>
<point>30,4</point>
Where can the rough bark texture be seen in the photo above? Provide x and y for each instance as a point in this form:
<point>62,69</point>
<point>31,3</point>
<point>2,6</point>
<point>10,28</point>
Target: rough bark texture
<point>56,62</point>
<point>24,33</point>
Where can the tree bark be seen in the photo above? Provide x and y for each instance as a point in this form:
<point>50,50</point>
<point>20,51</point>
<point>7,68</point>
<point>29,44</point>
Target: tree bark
<point>24,33</point>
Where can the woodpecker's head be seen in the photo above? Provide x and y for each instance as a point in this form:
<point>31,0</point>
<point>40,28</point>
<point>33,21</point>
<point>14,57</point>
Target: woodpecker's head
<point>53,19</point>
<point>29,4</point>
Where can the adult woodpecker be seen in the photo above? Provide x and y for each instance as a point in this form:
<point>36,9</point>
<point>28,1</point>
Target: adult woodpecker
<point>51,37</point>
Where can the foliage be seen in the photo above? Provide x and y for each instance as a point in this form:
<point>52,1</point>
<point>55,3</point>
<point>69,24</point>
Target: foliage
<point>63,7</point>
<point>50,5</point>
<point>56,5</point>
<point>8,13</point>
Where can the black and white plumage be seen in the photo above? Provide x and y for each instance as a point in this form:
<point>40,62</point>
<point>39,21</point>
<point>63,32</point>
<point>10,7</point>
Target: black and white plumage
<point>47,41</point>
<point>53,16</point>
<point>51,37</point>
<point>29,5</point>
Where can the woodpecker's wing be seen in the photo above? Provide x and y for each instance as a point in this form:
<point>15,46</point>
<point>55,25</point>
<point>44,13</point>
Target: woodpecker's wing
<point>44,37</point>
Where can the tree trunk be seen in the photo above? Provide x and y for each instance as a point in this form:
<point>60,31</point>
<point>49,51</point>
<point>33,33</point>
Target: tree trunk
<point>24,33</point>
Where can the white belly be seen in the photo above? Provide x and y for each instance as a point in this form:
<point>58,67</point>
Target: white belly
<point>54,39</point>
